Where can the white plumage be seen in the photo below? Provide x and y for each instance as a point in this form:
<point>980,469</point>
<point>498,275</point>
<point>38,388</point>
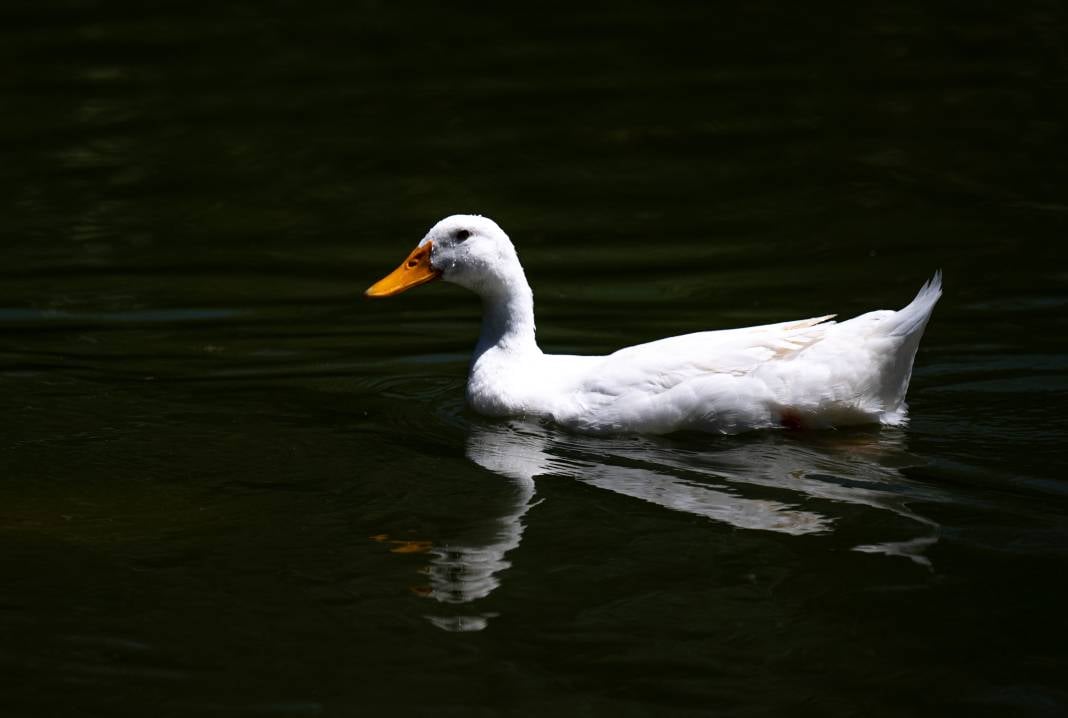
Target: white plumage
<point>811,373</point>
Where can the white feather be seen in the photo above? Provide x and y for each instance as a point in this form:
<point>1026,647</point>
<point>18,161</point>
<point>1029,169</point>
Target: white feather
<point>806,373</point>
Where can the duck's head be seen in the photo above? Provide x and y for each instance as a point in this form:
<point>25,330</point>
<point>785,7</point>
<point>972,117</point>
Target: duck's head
<point>465,249</point>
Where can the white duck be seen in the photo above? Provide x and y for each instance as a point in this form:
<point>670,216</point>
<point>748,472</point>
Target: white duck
<point>811,373</point>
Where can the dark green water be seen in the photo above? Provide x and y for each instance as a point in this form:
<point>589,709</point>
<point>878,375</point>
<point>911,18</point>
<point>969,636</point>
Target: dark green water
<point>230,486</point>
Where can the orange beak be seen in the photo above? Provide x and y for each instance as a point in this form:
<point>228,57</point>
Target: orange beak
<point>414,270</point>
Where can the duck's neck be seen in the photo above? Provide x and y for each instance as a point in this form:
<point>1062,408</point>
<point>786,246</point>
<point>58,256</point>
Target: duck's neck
<point>508,320</point>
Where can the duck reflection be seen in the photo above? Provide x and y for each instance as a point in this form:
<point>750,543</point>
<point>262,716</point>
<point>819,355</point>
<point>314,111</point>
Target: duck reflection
<point>461,573</point>
<point>755,483</point>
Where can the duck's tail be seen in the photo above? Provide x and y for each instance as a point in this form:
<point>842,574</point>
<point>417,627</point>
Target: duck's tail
<point>911,319</point>
<point>906,326</point>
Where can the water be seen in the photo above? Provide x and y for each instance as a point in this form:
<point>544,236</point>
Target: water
<point>231,486</point>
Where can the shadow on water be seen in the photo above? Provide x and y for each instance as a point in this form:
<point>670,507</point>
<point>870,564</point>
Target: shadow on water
<point>779,483</point>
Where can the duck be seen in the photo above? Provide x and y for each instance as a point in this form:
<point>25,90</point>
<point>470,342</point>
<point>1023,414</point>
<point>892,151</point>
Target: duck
<point>814,373</point>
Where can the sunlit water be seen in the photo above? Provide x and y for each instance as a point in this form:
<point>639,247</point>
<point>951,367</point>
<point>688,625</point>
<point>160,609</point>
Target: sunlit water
<point>231,486</point>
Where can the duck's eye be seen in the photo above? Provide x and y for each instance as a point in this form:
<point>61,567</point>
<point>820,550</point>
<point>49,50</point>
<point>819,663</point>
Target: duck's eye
<point>461,234</point>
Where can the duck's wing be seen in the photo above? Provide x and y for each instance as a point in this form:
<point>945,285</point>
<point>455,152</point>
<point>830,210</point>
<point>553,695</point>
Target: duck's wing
<point>660,365</point>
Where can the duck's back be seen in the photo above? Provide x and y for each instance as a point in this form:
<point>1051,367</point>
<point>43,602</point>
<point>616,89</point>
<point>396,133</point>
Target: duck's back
<point>806,374</point>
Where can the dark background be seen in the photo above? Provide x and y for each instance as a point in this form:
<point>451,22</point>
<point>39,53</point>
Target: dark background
<point>203,423</point>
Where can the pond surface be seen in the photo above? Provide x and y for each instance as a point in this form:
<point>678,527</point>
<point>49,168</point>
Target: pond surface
<point>232,486</point>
